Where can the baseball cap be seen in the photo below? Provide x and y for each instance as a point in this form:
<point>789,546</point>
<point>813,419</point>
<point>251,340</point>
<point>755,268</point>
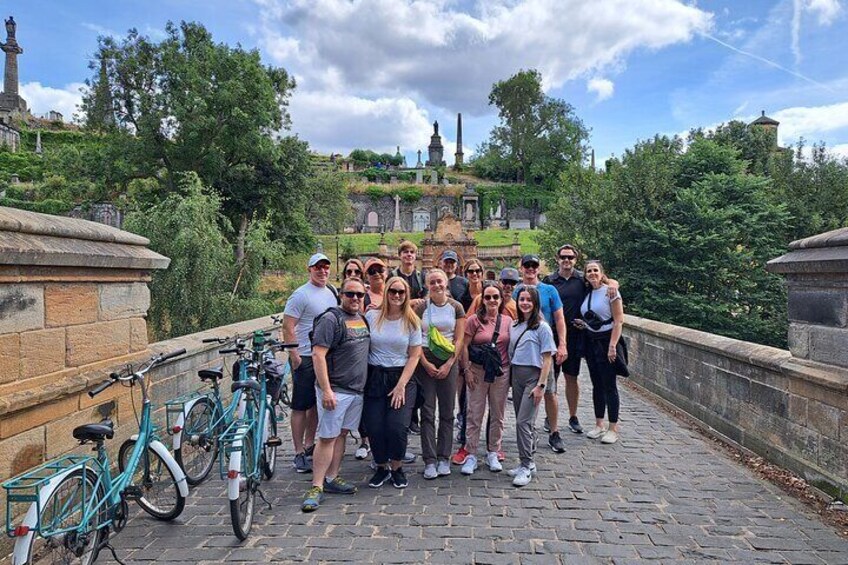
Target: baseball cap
<point>317,258</point>
<point>373,261</point>
<point>449,254</point>
<point>530,258</point>
<point>510,274</point>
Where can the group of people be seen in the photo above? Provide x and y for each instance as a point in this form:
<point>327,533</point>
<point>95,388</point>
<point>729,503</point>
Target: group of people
<point>394,351</point>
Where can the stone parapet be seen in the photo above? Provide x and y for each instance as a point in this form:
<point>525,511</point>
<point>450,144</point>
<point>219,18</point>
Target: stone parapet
<point>791,411</point>
<point>816,270</point>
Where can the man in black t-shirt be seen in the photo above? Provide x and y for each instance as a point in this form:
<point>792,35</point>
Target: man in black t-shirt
<point>457,284</point>
<point>407,253</point>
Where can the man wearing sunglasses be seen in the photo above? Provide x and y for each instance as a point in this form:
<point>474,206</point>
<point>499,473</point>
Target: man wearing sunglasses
<point>340,342</point>
<point>305,303</point>
<point>572,289</point>
<point>551,307</point>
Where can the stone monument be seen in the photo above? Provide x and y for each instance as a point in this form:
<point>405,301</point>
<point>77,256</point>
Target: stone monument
<point>419,164</point>
<point>458,155</point>
<point>396,226</point>
<point>470,208</point>
<point>435,150</point>
<point>10,100</point>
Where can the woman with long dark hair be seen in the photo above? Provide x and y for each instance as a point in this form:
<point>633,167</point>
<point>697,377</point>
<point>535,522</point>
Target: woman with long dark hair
<point>485,365</point>
<point>531,346</point>
<point>390,391</point>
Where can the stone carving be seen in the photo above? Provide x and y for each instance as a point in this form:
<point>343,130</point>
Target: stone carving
<point>469,211</point>
<point>396,226</point>
<point>419,164</point>
<point>434,177</point>
<point>435,150</point>
<point>11,27</point>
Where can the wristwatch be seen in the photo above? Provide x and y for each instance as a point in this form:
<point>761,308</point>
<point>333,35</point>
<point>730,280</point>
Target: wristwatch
<point>541,385</point>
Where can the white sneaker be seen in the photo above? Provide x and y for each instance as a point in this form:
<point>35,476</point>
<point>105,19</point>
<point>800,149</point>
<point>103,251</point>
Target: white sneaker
<point>523,475</point>
<point>513,472</point>
<point>430,471</point>
<point>493,463</point>
<point>470,465</point>
<point>596,432</point>
<point>610,437</point>
<point>362,452</point>
<point>443,468</point>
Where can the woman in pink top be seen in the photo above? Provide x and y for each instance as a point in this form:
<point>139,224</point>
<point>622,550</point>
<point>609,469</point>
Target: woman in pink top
<point>485,365</point>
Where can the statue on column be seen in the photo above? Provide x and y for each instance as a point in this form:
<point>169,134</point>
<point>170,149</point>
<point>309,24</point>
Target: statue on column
<point>11,26</point>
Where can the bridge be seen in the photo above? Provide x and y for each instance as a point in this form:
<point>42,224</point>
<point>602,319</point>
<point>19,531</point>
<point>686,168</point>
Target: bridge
<point>73,297</point>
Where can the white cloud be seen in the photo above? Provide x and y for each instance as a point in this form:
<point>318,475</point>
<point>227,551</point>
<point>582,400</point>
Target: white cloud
<point>101,30</point>
<point>840,149</point>
<point>826,10</point>
<point>449,58</point>
<point>602,87</point>
<point>41,99</point>
<point>811,122</point>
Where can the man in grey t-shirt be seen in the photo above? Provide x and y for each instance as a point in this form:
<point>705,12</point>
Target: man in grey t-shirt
<point>340,343</point>
<point>305,303</point>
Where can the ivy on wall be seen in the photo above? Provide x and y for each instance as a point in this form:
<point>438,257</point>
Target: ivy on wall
<point>513,196</point>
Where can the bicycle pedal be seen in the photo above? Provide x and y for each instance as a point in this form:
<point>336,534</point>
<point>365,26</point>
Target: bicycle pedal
<point>274,441</point>
<point>133,492</point>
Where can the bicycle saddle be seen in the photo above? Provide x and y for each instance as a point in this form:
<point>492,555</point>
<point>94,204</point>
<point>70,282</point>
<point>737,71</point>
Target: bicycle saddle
<point>95,432</point>
<point>251,384</point>
<point>215,373</point>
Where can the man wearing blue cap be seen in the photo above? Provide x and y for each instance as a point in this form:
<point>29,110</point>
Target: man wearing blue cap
<point>305,303</point>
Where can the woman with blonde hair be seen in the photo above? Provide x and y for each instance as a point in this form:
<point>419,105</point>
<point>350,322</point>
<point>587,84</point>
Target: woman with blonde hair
<point>443,332</point>
<point>390,391</point>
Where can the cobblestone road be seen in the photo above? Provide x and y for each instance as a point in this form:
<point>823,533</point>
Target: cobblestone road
<point>662,493</point>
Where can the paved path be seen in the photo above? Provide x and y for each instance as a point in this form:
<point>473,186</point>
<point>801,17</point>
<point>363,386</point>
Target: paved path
<point>662,493</point>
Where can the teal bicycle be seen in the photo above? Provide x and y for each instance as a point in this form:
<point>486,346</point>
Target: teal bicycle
<point>75,502</point>
<point>249,443</point>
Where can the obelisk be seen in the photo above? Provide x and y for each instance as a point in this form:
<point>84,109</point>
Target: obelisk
<point>458,154</point>
<point>10,99</point>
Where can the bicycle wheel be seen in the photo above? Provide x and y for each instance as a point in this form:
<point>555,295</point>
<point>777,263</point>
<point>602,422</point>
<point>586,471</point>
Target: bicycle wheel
<point>199,445</point>
<point>269,452</point>
<point>160,495</point>
<point>62,510</point>
<point>241,509</point>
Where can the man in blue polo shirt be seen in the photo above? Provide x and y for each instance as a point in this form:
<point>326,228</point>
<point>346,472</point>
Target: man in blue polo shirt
<point>551,306</point>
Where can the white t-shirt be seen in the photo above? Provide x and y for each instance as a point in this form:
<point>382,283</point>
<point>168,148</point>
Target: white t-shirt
<point>390,342</point>
<point>601,306</point>
<point>444,317</point>
<point>304,304</point>
<point>529,348</point>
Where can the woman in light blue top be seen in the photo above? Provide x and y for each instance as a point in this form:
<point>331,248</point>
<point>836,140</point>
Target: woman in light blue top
<point>531,346</point>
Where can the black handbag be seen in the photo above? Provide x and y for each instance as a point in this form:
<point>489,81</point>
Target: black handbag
<point>621,368</point>
<point>487,355</point>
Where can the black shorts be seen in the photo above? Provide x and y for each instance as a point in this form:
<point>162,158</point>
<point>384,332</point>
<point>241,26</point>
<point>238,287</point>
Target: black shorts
<point>303,388</point>
<point>574,342</point>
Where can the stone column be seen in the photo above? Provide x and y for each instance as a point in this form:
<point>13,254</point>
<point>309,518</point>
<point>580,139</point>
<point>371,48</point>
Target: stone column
<point>10,97</point>
<point>396,226</point>
<point>816,270</point>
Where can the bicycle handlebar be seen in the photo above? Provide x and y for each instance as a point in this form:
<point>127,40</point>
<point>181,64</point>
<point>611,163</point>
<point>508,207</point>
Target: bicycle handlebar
<point>102,386</point>
<point>229,350</point>
<point>215,340</point>
<point>172,354</point>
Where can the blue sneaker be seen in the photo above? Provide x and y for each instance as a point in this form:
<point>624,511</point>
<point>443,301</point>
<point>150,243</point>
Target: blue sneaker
<point>313,499</point>
<point>339,486</point>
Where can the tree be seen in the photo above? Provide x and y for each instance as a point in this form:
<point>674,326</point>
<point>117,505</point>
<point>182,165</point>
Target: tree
<point>686,232</point>
<point>538,136</point>
<point>191,104</point>
<point>327,205</point>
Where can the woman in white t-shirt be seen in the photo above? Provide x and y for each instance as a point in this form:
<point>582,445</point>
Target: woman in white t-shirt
<point>531,346</point>
<point>390,391</point>
<point>603,318</point>
<point>437,377</point>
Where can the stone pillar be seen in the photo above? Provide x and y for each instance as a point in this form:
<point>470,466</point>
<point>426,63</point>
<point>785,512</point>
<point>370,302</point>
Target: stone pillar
<point>396,226</point>
<point>419,176</point>
<point>816,270</point>
<point>458,155</point>
<point>10,97</point>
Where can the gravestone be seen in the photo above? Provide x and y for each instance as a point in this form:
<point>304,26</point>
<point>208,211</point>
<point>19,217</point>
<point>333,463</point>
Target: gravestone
<point>393,180</point>
<point>419,176</point>
<point>434,177</point>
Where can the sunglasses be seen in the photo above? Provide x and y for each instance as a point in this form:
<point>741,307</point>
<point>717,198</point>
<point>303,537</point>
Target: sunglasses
<point>353,272</point>
<point>321,267</point>
<point>375,271</point>
<point>509,283</point>
<point>491,297</point>
<point>568,257</point>
<point>397,291</point>
<point>530,265</point>
<point>475,271</point>
<point>354,294</point>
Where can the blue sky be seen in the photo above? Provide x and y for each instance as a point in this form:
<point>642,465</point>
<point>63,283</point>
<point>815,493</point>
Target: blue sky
<point>376,73</point>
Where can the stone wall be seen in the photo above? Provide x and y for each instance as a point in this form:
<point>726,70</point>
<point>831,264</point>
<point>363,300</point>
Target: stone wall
<point>385,209</point>
<point>791,411</point>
